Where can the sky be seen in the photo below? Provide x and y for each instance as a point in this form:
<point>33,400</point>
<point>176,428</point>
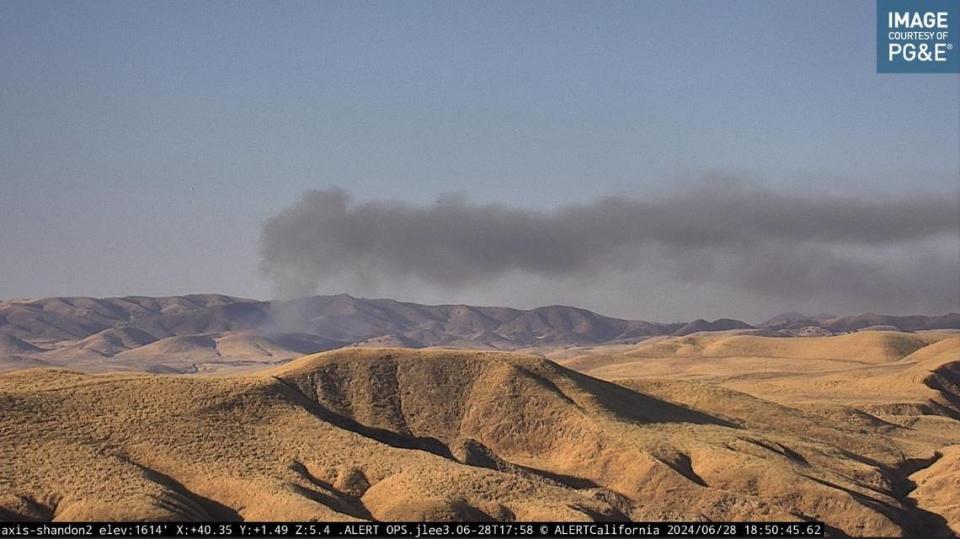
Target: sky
<point>157,148</point>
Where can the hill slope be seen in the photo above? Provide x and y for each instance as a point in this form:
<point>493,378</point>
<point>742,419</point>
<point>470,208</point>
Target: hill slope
<point>213,332</point>
<point>398,434</point>
<point>134,333</point>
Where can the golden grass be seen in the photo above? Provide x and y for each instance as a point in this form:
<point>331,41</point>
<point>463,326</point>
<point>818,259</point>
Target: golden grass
<point>395,434</point>
<point>903,385</point>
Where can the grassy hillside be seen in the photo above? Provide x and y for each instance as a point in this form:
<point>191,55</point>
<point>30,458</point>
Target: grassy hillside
<point>397,434</point>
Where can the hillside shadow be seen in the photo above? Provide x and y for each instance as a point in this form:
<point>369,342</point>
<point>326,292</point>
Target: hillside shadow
<point>384,436</point>
<point>571,481</point>
<point>637,407</point>
<point>915,522</point>
<point>211,509</point>
<point>326,494</point>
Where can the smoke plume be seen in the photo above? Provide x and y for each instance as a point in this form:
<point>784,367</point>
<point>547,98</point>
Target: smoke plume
<point>880,252</point>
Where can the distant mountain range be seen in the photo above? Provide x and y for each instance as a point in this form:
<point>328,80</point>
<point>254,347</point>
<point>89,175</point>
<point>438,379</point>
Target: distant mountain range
<point>844,324</point>
<point>196,333</point>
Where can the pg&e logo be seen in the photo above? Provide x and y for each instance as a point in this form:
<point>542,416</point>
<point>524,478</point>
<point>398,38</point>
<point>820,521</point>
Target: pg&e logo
<point>918,36</point>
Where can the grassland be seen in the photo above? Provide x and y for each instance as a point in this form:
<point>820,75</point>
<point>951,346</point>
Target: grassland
<point>859,431</point>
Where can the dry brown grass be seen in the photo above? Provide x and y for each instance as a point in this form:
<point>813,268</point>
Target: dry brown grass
<point>440,434</point>
<point>901,390</point>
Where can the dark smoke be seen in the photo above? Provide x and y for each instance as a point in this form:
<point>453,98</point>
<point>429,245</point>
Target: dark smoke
<point>872,250</point>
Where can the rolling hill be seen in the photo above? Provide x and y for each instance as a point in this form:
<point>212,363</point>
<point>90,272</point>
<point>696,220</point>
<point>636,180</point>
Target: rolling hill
<point>843,324</point>
<point>400,434</point>
<point>210,332</point>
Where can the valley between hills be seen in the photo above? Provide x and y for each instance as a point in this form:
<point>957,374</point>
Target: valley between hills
<point>209,407</point>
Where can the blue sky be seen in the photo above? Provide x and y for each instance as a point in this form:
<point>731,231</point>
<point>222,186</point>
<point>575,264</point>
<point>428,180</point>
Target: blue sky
<point>143,144</point>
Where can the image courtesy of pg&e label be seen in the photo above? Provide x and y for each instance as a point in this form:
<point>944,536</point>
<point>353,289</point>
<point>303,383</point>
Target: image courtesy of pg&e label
<point>918,36</point>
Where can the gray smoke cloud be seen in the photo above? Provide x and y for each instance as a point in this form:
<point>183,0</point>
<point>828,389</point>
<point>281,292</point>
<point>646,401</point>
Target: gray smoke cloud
<point>892,253</point>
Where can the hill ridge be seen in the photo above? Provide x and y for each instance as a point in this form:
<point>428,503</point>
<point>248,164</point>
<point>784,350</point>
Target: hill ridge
<point>400,434</point>
<point>132,332</point>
